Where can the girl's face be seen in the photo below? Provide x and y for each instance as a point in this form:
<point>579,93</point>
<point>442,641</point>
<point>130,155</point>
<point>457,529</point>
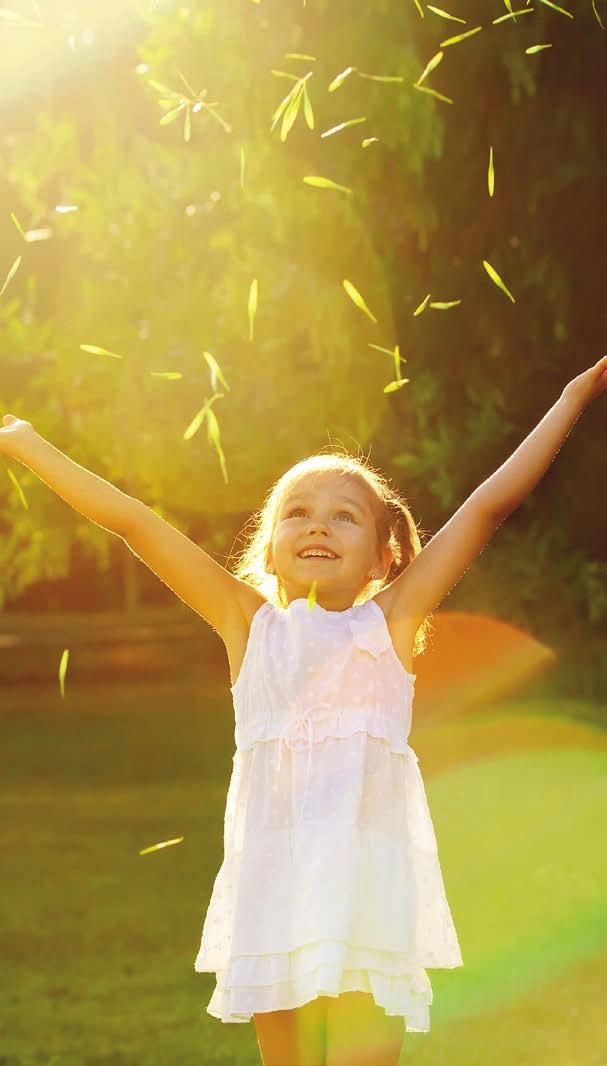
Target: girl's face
<point>332,511</point>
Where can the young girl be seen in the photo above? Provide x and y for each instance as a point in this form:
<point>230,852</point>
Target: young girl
<point>329,904</point>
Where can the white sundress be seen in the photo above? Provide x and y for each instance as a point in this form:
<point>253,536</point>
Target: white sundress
<point>331,880</point>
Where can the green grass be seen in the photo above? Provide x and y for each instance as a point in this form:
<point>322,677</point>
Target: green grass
<point>98,943</point>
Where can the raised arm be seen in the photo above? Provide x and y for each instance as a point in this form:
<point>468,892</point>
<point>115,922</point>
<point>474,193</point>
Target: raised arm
<point>219,597</point>
<point>450,553</point>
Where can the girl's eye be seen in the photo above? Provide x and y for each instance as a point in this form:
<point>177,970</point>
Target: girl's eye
<point>296,509</point>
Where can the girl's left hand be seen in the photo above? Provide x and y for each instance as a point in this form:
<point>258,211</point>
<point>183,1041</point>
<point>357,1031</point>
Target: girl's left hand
<point>590,384</point>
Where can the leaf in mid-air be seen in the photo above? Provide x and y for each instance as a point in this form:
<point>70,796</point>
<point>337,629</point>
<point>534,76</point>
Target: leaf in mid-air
<point>299,55</point>
<point>381,77</point>
<point>163,844</point>
<point>292,110</point>
<point>99,351</point>
<point>216,371</point>
<point>357,299</point>
<point>62,670</point>
<point>171,115</point>
<point>444,306</point>
<point>536,48</point>
<point>340,78</point>
<point>369,140</point>
<point>19,490</point>
<point>18,225</point>
<point>312,594</point>
<point>309,114</point>
<point>170,375</point>
<point>493,274</point>
<point>433,92</point>
<point>214,439</point>
<point>342,126</point>
<point>445,14</point>
<point>513,14</point>
<point>13,270</point>
<point>325,183</point>
<point>598,17</point>
<point>430,67</point>
<point>422,306</point>
<point>199,418</point>
<point>392,386</point>
<point>420,8</point>
<point>252,306</point>
<point>555,7</point>
<point>460,37</point>
<point>491,174</point>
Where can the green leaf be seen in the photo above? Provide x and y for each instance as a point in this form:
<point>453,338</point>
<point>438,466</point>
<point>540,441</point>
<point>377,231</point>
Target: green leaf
<point>163,844</point>
<point>216,371</point>
<point>491,174</point>
<point>357,299</point>
<point>430,67</point>
<point>170,116</point>
<point>460,37</point>
<point>513,14</point>
<point>325,183</point>
<point>433,92</point>
<point>381,77</point>
<point>419,8</point>
<point>422,306</point>
<point>170,375</point>
<point>309,114</point>
<point>299,55</point>
<point>252,308</point>
<point>445,306</point>
<point>394,385</point>
<point>536,48</point>
<point>493,274</point>
<point>18,489</point>
<point>213,436</point>
<point>284,74</point>
<point>62,671</point>
<point>340,78</point>
<point>18,225</point>
<point>13,270</point>
<point>555,7</point>
<point>291,110</point>
<point>598,17</point>
<point>445,14</point>
<point>369,140</point>
<point>342,126</point>
<point>99,351</point>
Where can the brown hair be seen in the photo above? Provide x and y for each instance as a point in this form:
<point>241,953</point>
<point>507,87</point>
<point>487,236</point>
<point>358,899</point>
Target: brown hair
<point>394,524</point>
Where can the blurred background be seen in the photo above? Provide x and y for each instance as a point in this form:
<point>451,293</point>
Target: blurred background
<point>173,317</point>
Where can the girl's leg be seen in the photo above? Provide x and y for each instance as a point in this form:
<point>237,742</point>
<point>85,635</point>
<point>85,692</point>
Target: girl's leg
<point>294,1037</point>
<point>359,1033</point>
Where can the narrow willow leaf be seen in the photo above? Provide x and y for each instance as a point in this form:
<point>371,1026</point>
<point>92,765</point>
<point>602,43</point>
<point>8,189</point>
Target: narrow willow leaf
<point>312,593</point>
<point>170,375</point>
<point>18,225</point>
<point>444,306</point>
<point>460,37</point>
<point>394,385</point>
<point>309,114</point>
<point>419,8</point>
<point>397,362</point>
<point>187,125</point>
<point>357,299</point>
<point>291,111</point>
<point>170,116</point>
<point>62,670</point>
<point>242,166</point>
<point>381,77</point>
<point>213,436</point>
<point>555,7</point>
<point>491,174</point>
<point>430,67</point>
<point>9,277</point>
<point>284,103</point>
<point>598,17</point>
<point>369,140</point>
<point>325,183</point>
<point>340,79</point>
<point>342,126</point>
<point>284,74</point>
<point>523,11</point>
<point>252,308</point>
<point>216,372</point>
<point>187,84</point>
<point>388,351</point>
<point>299,55</point>
<point>433,92</point>
<point>493,274</point>
<point>197,420</point>
<point>99,351</point>
<point>422,306</point>
<point>536,48</point>
<point>162,88</point>
<point>444,14</point>
<point>18,490</point>
<point>163,844</point>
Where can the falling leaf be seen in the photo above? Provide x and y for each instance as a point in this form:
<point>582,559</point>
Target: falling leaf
<point>513,14</point>
<point>339,80</point>
<point>99,351</point>
<point>198,419</point>
<point>309,114</point>
<point>312,593</point>
<point>419,8</point>
<point>170,375</point>
<point>433,92</point>
<point>216,371</point>
<point>536,48</point>
<point>284,74</point>
<point>460,37</point>
<point>598,17</point>
<point>13,270</point>
<point>19,490</point>
<point>555,7</point>
<point>421,307</point>
<point>164,844</point>
<point>369,140</point>
<point>242,166</point>
<point>171,115</point>
<point>445,14</point>
<point>18,225</point>
<point>381,77</point>
<point>394,385</point>
<point>291,110</point>
<point>299,55</point>
<point>445,306</point>
<point>491,174</point>
<point>496,278</point>
<point>252,306</point>
<point>430,67</point>
<point>214,439</point>
<point>325,183</point>
<point>342,126</point>
<point>62,670</point>
<point>357,299</point>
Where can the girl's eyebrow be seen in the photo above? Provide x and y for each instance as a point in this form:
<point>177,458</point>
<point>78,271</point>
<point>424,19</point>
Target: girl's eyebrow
<point>305,495</point>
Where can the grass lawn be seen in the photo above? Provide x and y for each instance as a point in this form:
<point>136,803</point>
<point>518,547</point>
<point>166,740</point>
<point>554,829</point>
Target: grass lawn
<point>98,943</point>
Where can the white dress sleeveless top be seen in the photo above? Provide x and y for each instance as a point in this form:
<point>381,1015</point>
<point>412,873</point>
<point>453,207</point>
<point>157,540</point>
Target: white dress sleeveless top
<point>331,880</point>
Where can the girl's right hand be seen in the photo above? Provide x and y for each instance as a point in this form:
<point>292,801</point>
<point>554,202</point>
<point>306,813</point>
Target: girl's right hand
<point>13,432</point>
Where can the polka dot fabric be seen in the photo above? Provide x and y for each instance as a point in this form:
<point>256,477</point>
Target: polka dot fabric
<point>331,880</point>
